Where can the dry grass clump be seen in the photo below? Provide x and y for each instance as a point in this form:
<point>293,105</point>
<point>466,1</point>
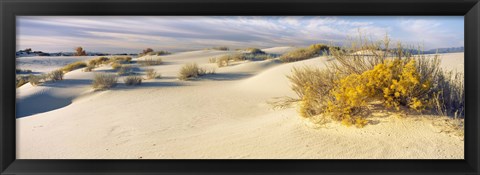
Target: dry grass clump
<point>150,61</point>
<point>20,81</point>
<point>192,71</point>
<point>159,53</point>
<point>103,81</point>
<point>98,61</point>
<point>35,80</point>
<point>449,99</point>
<point>304,53</point>
<point>121,59</point>
<point>152,74</point>
<point>212,60</point>
<point>345,89</point>
<point>223,61</point>
<point>73,66</point>
<point>125,70</point>
<point>116,65</point>
<point>224,48</point>
<point>133,80</point>
<point>255,55</point>
<point>56,75</point>
<point>254,51</point>
<point>89,68</point>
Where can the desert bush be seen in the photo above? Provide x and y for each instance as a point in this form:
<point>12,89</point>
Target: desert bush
<point>116,65</point>
<point>150,61</point>
<point>73,66</point>
<point>89,68</point>
<point>104,81</point>
<point>146,51</point>
<point>125,70</point>
<point>212,60</point>
<point>34,79</point>
<point>223,61</point>
<point>189,71</point>
<point>152,74</point>
<point>80,52</point>
<point>121,59</point>
<point>159,53</point>
<point>250,56</point>
<point>132,80</point>
<point>21,80</point>
<point>254,51</point>
<point>98,61</point>
<point>55,75</point>
<point>304,53</point>
<point>192,71</point>
<point>449,99</point>
<point>344,90</point>
<point>297,55</point>
<point>224,48</point>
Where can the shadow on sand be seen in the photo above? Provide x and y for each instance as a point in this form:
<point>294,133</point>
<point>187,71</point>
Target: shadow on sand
<point>225,76</point>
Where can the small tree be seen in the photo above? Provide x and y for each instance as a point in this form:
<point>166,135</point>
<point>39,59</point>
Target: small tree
<point>148,50</point>
<point>80,52</point>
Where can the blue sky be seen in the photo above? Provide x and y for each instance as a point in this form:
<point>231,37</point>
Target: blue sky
<point>121,34</point>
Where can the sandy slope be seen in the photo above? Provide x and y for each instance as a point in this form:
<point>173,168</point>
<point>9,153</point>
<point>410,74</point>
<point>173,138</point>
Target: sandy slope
<point>220,116</point>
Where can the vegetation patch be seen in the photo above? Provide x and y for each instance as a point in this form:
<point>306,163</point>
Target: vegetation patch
<point>344,90</point>
<point>133,80</point>
<point>103,81</point>
<point>98,61</point>
<point>152,74</point>
<point>150,61</point>
<point>192,71</point>
<point>305,53</point>
<point>55,75</point>
<point>72,66</point>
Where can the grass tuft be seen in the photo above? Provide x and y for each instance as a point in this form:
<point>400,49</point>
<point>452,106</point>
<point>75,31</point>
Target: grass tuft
<point>103,81</point>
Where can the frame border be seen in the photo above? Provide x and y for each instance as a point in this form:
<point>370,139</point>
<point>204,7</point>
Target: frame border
<point>9,9</point>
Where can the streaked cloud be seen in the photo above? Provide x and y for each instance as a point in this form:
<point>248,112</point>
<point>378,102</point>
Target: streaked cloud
<point>133,33</point>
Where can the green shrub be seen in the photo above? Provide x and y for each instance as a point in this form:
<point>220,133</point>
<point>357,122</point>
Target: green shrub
<point>103,81</point>
<point>73,66</point>
<point>132,80</point>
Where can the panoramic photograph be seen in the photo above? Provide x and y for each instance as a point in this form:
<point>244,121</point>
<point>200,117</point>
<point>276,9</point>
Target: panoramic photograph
<point>240,87</point>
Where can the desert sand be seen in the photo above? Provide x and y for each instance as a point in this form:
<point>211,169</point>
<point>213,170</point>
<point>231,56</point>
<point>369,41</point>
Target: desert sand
<point>220,116</point>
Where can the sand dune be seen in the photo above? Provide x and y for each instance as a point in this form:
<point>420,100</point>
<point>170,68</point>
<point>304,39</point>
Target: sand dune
<point>224,115</point>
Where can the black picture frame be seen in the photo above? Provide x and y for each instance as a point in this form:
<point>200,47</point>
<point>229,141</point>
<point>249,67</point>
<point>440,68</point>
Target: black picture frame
<point>9,9</point>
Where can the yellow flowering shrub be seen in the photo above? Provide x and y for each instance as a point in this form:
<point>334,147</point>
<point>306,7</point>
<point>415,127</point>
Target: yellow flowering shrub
<point>396,82</point>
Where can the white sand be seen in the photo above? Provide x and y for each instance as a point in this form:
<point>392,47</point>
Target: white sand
<point>219,116</point>
<point>45,64</point>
